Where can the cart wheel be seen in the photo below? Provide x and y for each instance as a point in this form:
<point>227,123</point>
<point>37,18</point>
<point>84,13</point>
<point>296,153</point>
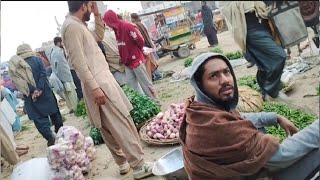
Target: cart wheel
<point>175,53</point>
<point>183,52</point>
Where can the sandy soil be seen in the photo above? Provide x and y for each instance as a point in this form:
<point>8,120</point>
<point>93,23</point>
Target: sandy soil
<point>104,166</point>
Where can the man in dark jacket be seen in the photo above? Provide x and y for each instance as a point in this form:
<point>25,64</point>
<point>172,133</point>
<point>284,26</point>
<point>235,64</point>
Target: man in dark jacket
<point>40,102</point>
<point>209,30</point>
<point>130,45</point>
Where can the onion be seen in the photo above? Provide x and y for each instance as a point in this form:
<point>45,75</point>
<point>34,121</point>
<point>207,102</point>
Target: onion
<point>175,130</point>
<point>160,115</point>
<point>158,135</point>
<point>149,134</point>
<point>173,105</point>
<point>154,131</point>
<point>169,132</point>
<point>172,136</point>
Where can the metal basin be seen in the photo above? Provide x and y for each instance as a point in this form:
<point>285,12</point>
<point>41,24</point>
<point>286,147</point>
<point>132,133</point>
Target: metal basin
<point>171,166</point>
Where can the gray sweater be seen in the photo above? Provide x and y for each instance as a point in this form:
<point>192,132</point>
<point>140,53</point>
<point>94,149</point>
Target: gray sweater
<point>60,65</point>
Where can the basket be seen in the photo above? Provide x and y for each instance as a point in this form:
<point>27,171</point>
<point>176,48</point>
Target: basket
<point>148,140</point>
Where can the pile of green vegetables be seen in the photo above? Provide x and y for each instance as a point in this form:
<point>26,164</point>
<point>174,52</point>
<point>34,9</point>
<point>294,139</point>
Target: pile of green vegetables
<point>81,109</point>
<point>188,62</point>
<point>300,118</point>
<point>217,50</point>
<point>251,81</point>
<point>229,55</point>
<point>96,136</point>
<point>144,108</point>
<point>234,55</point>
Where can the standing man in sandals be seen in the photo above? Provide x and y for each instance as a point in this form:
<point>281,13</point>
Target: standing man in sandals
<point>108,107</point>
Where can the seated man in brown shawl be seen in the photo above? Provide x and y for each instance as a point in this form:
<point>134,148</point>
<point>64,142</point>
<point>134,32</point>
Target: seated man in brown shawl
<point>221,143</point>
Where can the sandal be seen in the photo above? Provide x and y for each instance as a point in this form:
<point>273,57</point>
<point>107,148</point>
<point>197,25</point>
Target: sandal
<point>124,169</point>
<point>22,147</point>
<point>21,152</point>
<point>144,171</point>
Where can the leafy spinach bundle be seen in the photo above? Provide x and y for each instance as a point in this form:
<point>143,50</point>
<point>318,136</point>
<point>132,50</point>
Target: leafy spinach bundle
<point>300,118</point>
<point>144,107</point>
<point>251,81</point>
<point>96,136</point>
<point>81,109</point>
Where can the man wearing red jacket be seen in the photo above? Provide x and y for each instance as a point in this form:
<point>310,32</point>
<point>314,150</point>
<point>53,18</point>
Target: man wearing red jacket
<point>130,45</point>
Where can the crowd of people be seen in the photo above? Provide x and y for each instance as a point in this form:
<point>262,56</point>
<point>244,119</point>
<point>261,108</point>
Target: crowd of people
<point>94,65</point>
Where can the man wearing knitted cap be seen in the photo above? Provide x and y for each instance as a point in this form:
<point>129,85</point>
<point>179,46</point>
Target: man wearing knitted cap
<point>29,75</point>
<point>107,105</point>
<point>218,142</point>
<point>130,45</point>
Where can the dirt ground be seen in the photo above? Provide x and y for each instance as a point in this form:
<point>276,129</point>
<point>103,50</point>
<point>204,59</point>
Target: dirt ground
<point>104,166</point>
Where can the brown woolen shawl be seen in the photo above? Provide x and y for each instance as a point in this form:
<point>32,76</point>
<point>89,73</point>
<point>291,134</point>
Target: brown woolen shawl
<point>220,145</point>
<point>217,143</point>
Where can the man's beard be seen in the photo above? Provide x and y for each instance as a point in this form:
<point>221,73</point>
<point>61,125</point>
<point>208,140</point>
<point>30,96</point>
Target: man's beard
<point>86,16</point>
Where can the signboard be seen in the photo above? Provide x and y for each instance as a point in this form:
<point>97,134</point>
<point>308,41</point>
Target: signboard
<point>175,19</point>
<point>173,12</point>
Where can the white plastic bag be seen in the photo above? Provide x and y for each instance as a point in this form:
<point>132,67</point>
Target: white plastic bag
<point>37,168</point>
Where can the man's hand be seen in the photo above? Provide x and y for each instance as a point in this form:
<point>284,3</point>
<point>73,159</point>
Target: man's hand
<point>99,96</point>
<point>94,8</point>
<point>287,125</point>
<point>36,94</point>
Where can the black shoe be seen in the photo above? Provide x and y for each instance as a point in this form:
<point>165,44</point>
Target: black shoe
<point>52,140</point>
<point>250,65</point>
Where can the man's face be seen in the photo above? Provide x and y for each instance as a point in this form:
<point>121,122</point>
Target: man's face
<point>60,44</point>
<point>87,11</point>
<point>202,4</point>
<point>217,80</point>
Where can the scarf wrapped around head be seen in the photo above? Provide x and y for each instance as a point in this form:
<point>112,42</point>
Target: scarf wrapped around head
<point>25,51</point>
<point>217,143</point>
<point>20,71</point>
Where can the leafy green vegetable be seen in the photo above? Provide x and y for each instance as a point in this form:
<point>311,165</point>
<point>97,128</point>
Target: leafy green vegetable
<point>188,62</point>
<point>300,118</point>
<point>144,107</point>
<point>234,55</point>
<point>81,109</point>
<point>251,81</point>
<point>96,136</point>
<point>217,50</point>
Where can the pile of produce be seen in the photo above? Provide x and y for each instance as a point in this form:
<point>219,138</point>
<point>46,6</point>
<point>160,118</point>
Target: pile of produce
<point>144,108</point>
<point>217,50</point>
<point>188,62</point>
<point>234,55</point>
<point>71,155</point>
<point>251,81</point>
<point>229,55</point>
<point>166,125</point>
<point>96,136</point>
<point>249,100</point>
<point>81,109</point>
<point>300,118</point>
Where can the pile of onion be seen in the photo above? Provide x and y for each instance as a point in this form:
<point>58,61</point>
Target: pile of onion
<point>166,125</point>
